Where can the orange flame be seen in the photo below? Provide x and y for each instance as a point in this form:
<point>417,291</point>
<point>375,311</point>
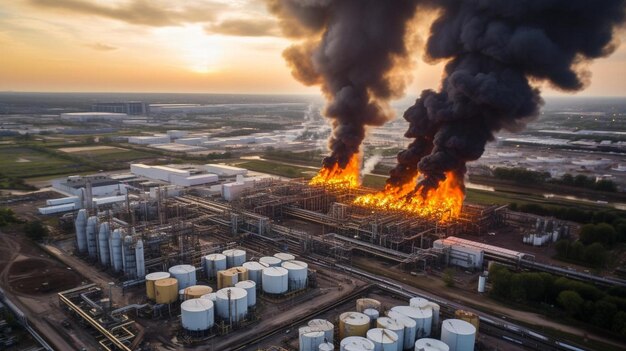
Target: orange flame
<point>337,176</point>
<point>443,203</point>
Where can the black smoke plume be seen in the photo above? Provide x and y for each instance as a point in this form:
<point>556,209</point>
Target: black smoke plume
<point>358,52</point>
<point>495,49</point>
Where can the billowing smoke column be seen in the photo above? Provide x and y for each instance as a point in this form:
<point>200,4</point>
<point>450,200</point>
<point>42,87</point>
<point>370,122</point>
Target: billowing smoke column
<point>494,48</point>
<point>356,50</point>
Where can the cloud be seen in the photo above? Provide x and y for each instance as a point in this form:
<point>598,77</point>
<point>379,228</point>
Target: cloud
<point>101,47</point>
<point>141,12</point>
<point>245,28</point>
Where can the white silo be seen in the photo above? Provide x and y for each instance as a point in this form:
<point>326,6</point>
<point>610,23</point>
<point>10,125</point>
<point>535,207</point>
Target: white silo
<point>459,335</point>
<point>418,302</point>
<point>141,264</point>
<point>103,243</point>
<point>214,263</point>
<point>270,261</point>
<point>482,281</point>
<point>210,296</point>
<point>234,257</point>
<point>422,317</point>
<point>197,314</point>
<point>323,325</point>
<point>283,256</point>
<point>310,339</point>
<point>356,343</point>
<point>297,274</point>
<point>396,327</point>
<point>275,280</point>
<point>116,250</point>
<point>80,224</point>
<point>185,274</point>
<point>232,304</point>
<point>250,287</point>
<point>428,344</point>
<point>129,261</point>
<point>373,314</point>
<point>410,327</point>
<point>255,271</point>
<point>326,346</point>
<point>91,232</point>
<point>384,339</point>
<point>436,312</point>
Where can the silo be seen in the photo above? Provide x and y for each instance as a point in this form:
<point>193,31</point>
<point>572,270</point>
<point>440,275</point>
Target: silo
<point>232,304</point>
<point>356,343</point>
<point>250,287</point>
<point>129,261</point>
<point>275,280</point>
<point>327,327</point>
<point>310,339</point>
<point>482,281</point>
<point>242,273</point>
<point>353,324</point>
<point>234,257</point>
<point>80,224</point>
<point>103,243</point>
<point>297,274</point>
<point>436,312</point>
<point>373,314</point>
<point>150,280</point>
<point>410,327</point>
<point>185,274</point>
<point>365,303</point>
<point>91,232</point>
<point>270,261</point>
<point>197,314</point>
<point>469,317</point>
<point>427,344</point>
<point>383,339</point>
<point>116,250</point>
<point>214,263</point>
<point>326,346</point>
<point>212,296</point>
<point>139,258</point>
<point>166,290</point>
<point>422,317</point>
<point>227,278</point>
<point>396,327</point>
<point>458,335</point>
<point>196,291</point>
<point>418,302</point>
<point>283,256</point>
<point>255,271</point>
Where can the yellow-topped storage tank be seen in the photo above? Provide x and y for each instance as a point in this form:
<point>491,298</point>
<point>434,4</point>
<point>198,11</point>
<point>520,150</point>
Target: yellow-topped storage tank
<point>365,303</point>
<point>353,324</point>
<point>227,278</point>
<point>196,291</point>
<point>242,273</point>
<point>151,279</point>
<point>166,290</point>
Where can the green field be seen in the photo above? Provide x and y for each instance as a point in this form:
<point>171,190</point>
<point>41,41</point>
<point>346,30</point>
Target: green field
<point>278,169</point>
<point>114,155</point>
<point>24,162</point>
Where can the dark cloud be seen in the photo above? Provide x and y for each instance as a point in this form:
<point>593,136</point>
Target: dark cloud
<point>245,28</point>
<point>101,47</point>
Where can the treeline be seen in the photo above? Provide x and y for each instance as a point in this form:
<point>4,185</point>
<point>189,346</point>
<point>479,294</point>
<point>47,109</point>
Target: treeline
<point>593,244</point>
<point>7,216</point>
<point>577,300</point>
<point>570,213</point>
<point>524,176</point>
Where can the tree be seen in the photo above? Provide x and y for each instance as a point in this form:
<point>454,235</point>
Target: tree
<point>595,254</point>
<point>604,312</point>
<point>448,277</point>
<point>570,301</point>
<point>562,248</point>
<point>577,251</point>
<point>567,179</point>
<point>35,230</point>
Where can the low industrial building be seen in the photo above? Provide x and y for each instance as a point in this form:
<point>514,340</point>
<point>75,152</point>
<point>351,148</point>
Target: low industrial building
<point>93,117</point>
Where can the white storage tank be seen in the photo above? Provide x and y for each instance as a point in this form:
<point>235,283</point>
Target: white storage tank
<point>482,281</point>
<point>422,317</point>
<point>255,271</point>
<point>327,327</point>
<point>275,280</point>
<point>116,250</point>
<point>353,324</point>
<point>310,339</point>
<point>232,304</point>
<point>185,274</point>
<point>139,259</point>
<point>80,224</point>
<point>356,343</point>
<point>373,314</point>
<point>326,346</point>
<point>418,302</point>
<point>250,287</point>
<point>197,314</point>
<point>384,339</point>
<point>458,335</point>
<point>234,257</point>
<point>428,344</point>
<point>396,327</point>
<point>210,296</point>
<point>410,327</point>
<point>103,244</point>
<point>214,263</point>
<point>297,274</point>
<point>436,312</point>
<point>270,261</point>
<point>91,232</point>
<point>283,256</point>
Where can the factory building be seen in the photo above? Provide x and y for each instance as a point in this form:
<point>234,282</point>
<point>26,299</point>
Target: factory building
<point>93,117</point>
<point>100,186</point>
<point>149,139</point>
<point>136,108</point>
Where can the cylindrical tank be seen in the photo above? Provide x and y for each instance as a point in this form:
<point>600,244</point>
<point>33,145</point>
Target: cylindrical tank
<point>166,290</point>
<point>275,280</point>
<point>469,317</point>
<point>103,244</point>
<point>196,291</point>
<point>418,302</point>
<point>422,317</point>
<point>353,324</point>
<point>410,327</point>
<point>212,296</point>
<point>396,327</point>
<point>255,271</point>
<point>482,281</point>
<point>384,339</point>
<point>197,314</point>
<point>129,260</point>
<point>232,304</point>
<point>326,346</point>
<point>373,314</point>
<point>458,335</point>
<point>327,327</point>
<point>242,273</point>
<point>150,280</point>
<point>250,287</point>
<point>365,303</point>
<point>214,263</point>
<point>283,256</point>
<point>91,232</point>
<point>139,258</point>
<point>297,274</point>
<point>427,344</point>
<point>270,261</point>
<point>185,274</point>
<point>80,224</point>
<point>310,339</point>
<point>227,278</point>
<point>356,343</point>
<point>436,312</point>
<point>116,250</point>
<point>234,257</point>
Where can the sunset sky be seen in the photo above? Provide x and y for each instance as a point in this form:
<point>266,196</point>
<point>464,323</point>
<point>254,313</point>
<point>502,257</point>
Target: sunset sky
<point>214,46</point>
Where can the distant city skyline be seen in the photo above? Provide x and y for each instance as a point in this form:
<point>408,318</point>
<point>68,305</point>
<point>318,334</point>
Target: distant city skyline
<point>202,46</point>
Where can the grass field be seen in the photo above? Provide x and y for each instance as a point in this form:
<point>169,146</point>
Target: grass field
<point>278,169</point>
<point>24,162</point>
<point>113,154</point>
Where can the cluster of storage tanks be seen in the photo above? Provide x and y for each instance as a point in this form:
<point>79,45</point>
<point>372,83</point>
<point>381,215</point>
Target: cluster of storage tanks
<point>117,249</point>
<point>400,328</point>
